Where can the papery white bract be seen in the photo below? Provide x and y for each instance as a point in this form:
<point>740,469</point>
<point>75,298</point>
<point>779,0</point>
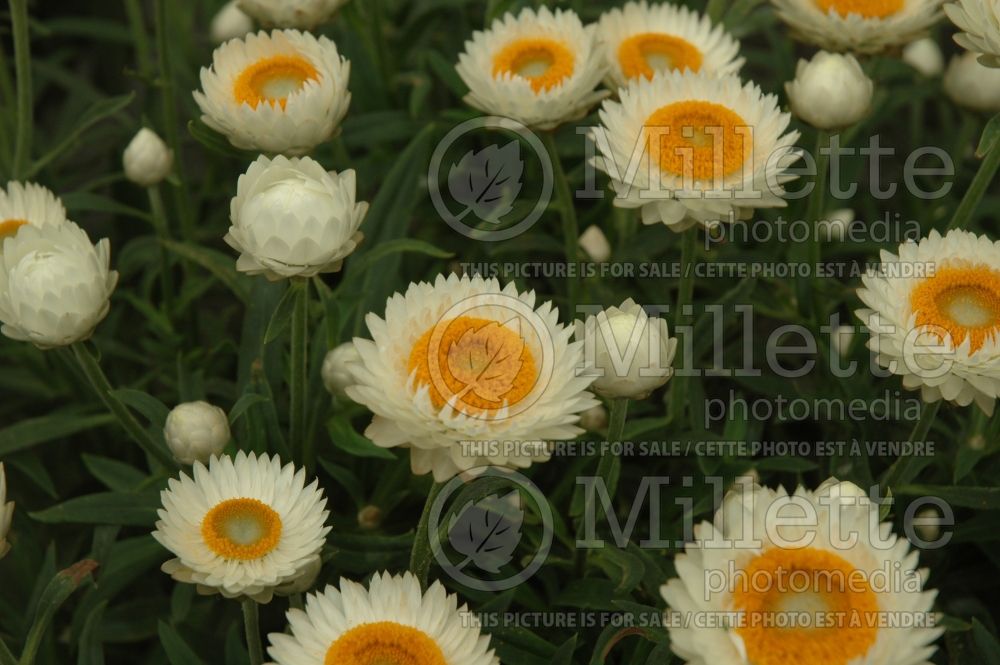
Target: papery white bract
<point>979,21</point>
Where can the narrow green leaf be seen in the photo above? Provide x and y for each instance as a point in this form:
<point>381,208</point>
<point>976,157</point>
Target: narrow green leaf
<point>55,594</point>
<point>116,476</point>
<point>151,408</point>
<point>282,316</point>
<point>989,138</point>
<point>221,265</point>
<point>981,498</point>
<point>34,431</point>
<point>244,403</point>
<point>177,650</point>
<point>400,246</point>
<point>100,110</point>
<point>348,440</point>
<point>123,508</point>
<point>986,644</point>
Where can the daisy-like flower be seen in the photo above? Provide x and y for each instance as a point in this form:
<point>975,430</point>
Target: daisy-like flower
<point>390,622</point>
<point>278,92</point>
<point>861,26</point>
<point>291,218</point>
<point>26,203</point>
<point>537,68</point>
<point>301,14</point>
<point>243,527</point>
<point>979,21</point>
<point>54,284</point>
<point>934,315</point>
<point>462,361</point>
<point>6,513</point>
<point>809,578</point>
<point>641,39</point>
<point>688,148</point>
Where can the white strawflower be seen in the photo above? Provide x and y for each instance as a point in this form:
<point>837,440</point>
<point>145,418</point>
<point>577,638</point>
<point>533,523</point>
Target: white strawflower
<point>147,159</point>
<point>54,284</point>
<point>230,23</point>
<point>195,431</point>
<point>630,352</point>
<point>979,21</point>
<point>301,14</point>
<point>279,92</point>
<point>860,26</point>
<point>24,203</point>
<point>290,218</point>
<point>972,85</point>
<point>336,373</point>
<point>830,91</point>
<point>924,55</point>
<point>595,244</point>
<point>6,513</point>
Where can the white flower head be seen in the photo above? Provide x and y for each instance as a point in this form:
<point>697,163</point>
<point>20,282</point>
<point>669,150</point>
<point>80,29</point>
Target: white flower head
<point>23,204</point>
<point>147,159</point>
<point>195,431</point>
<point>243,526</point>
<point>6,513</point>
<point>300,14</point>
<point>279,92</point>
<point>464,360</point>
<point>54,284</point>
<point>539,68</point>
<point>641,39</point>
<point>860,26</point>
<point>291,218</point>
<point>630,352</point>
<point>831,91</point>
<point>933,311</point>
<point>812,577</point>
<point>393,621</point>
<point>691,149</point>
<point>925,56</point>
<point>230,23</point>
<point>336,371</point>
<point>979,21</point>
<point>972,85</point>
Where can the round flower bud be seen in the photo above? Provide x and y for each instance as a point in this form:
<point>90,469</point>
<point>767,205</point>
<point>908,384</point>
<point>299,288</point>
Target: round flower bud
<point>336,375</point>
<point>370,517</point>
<point>924,55</point>
<point>290,218</point>
<point>6,514</point>
<point>195,431</point>
<point>301,14</point>
<point>972,85</point>
<point>927,524</point>
<point>830,91</point>
<point>147,159</point>
<point>836,224</point>
<point>630,353</point>
<point>54,284</point>
<point>230,23</point>
<point>594,419</point>
<point>595,244</point>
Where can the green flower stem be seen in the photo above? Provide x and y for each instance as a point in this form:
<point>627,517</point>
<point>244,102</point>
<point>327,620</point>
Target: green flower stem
<point>421,554</point>
<point>814,211</point>
<point>984,176</point>
<point>906,468</point>
<point>608,465</point>
<point>163,233</point>
<point>22,67</point>
<point>299,372</point>
<point>251,621</point>
<point>685,293</point>
<point>95,375</point>
<point>567,211</point>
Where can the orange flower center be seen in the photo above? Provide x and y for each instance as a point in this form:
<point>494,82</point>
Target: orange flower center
<point>9,227</point>
<point>805,606</point>
<point>384,643</point>
<point>961,302</point>
<point>864,8</point>
<point>273,79</point>
<point>650,52</point>
<point>242,529</point>
<point>481,363</point>
<point>698,139</point>
<point>545,63</point>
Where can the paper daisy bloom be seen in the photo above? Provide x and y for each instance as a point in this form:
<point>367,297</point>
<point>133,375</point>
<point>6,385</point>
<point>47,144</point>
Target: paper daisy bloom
<point>979,21</point>
<point>336,372</point>
<point>812,577</point>
<point>54,284</point>
<point>243,526</point>
<point>6,513</point>
<point>195,431</point>
<point>861,26</point>
<point>972,85</point>
<point>26,203</point>
<point>279,92</point>
<point>291,218</point>
<point>463,360</point>
<point>933,312</point>
<point>539,68</point>
<point>630,353</point>
<point>687,149</point>
<point>392,621</point>
<point>301,14</point>
<point>640,39</point>
<point>830,91</point>
<point>147,159</point>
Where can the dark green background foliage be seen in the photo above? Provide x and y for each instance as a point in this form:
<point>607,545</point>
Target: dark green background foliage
<point>84,490</point>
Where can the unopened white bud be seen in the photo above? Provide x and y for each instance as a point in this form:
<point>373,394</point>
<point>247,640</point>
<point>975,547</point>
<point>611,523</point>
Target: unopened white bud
<point>594,419</point>
<point>925,56</point>
<point>972,85</point>
<point>230,23</point>
<point>336,375</point>
<point>147,159</point>
<point>836,224</point>
<point>195,431</point>
<point>595,244</point>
